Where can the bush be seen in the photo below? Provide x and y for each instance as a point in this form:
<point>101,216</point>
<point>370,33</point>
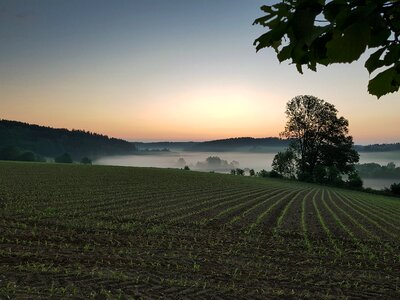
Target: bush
<point>251,172</point>
<point>239,171</point>
<point>64,158</point>
<point>263,173</point>
<point>307,177</point>
<point>274,174</point>
<point>233,172</point>
<point>334,176</point>
<point>27,156</point>
<point>9,153</point>
<point>86,161</point>
<point>354,181</point>
<point>320,174</point>
<point>395,188</point>
<point>186,168</point>
<point>17,154</point>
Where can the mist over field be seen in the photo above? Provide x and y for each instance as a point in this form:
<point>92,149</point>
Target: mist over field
<point>256,161</point>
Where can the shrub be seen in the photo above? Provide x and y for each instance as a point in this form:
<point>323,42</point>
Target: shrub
<point>274,174</point>
<point>27,156</point>
<point>251,172</point>
<point>354,180</point>
<point>9,153</point>
<point>263,173</point>
<point>395,188</point>
<point>233,172</point>
<point>186,168</point>
<point>320,174</point>
<point>305,176</point>
<point>86,161</point>
<point>239,171</point>
<point>64,158</point>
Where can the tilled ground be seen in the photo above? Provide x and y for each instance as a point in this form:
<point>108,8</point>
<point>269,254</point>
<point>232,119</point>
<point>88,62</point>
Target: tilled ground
<point>78,232</point>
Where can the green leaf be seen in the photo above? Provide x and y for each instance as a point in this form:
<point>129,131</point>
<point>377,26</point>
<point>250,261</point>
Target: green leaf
<point>263,20</point>
<point>299,68</point>
<point>379,38</point>
<point>348,47</point>
<point>270,38</point>
<point>285,53</point>
<point>385,82</point>
<point>303,23</point>
<point>374,62</point>
<point>333,8</point>
<point>343,18</point>
<point>393,54</point>
<point>267,8</point>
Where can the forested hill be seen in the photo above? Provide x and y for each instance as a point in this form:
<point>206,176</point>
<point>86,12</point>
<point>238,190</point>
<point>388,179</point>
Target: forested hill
<point>378,147</point>
<point>241,144</point>
<point>50,142</point>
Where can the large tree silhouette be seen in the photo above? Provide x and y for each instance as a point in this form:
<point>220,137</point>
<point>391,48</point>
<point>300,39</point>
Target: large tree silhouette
<point>320,137</point>
<point>312,32</point>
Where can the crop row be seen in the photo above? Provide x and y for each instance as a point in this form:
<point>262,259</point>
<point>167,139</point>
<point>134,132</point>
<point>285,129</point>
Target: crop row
<point>108,232</point>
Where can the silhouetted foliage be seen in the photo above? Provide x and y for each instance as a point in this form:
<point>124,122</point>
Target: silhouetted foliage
<point>395,188</point>
<point>186,168</point>
<point>215,163</point>
<point>334,176</point>
<point>239,171</point>
<point>50,142</point>
<point>251,172</point>
<point>262,173</point>
<point>354,180</point>
<point>86,161</point>
<point>233,172</point>
<point>16,154</point>
<point>284,163</point>
<point>312,32</point>
<point>274,174</point>
<point>9,153</point>
<point>320,174</point>
<point>320,150</point>
<point>27,156</point>
<point>63,158</point>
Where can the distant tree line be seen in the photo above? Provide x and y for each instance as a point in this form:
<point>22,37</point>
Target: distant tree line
<point>17,154</point>
<point>247,144</point>
<point>12,153</point>
<point>215,163</point>
<point>50,142</point>
<point>378,147</point>
<point>374,170</point>
<point>232,144</point>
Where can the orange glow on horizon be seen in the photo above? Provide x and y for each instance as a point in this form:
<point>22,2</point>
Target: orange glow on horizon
<point>197,113</point>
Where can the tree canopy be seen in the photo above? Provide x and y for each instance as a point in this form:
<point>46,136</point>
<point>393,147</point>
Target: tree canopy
<point>312,32</point>
<point>320,140</point>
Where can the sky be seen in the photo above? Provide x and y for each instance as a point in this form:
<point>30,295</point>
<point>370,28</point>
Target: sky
<point>173,70</point>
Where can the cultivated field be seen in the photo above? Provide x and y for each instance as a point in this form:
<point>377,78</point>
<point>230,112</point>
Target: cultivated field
<point>114,232</point>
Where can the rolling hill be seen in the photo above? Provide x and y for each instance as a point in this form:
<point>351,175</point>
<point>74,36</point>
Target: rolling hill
<point>51,142</point>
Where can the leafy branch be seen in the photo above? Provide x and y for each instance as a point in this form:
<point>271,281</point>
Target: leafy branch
<point>323,32</point>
